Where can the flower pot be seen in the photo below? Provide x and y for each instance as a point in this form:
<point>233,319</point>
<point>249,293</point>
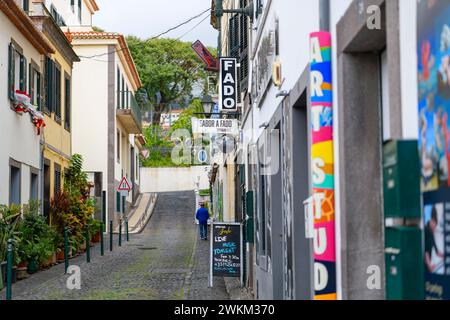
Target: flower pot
<point>33,267</point>
<point>60,256</point>
<point>96,238</point>
<point>22,273</point>
<point>53,259</point>
<point>23,264</point>
<point>3,271</point>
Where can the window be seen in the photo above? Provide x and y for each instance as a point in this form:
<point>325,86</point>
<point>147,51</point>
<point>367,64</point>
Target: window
<point>233,37</point>
<point>57,103</point>
<point>49,83</point>
<point>35,86</point>
<point>14,184</point>
<point>57,185</point>
<point>259,8</point>
<point>137,167</point>
<point>34,186</point>
<point>72,5</point>
<point>127,99</point>
<point>57,17</point>
<point>26,5</point>
<point>17,71</point>
<point>118,146</point>
<point>118,87</point>
<point>67,102</point>
<point>243,48</point>
<point>79,10</point>
<point>123,93</point>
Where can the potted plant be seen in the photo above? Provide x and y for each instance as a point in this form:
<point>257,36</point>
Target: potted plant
<point>9,229</point>
<point>94,231</point>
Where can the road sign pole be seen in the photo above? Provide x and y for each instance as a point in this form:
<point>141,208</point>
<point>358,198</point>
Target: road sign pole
<point>111,235</point>
<point>102,240</point>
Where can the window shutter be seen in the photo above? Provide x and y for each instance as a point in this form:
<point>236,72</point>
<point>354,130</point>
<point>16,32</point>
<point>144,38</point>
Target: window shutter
<point>11,72</point>
<point>38,91</point>
<point>234,36</point>
<point>243,49</point>
<point>31,90</point>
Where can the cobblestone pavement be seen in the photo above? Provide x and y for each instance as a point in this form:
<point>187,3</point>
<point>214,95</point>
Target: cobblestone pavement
<point>166,261</point>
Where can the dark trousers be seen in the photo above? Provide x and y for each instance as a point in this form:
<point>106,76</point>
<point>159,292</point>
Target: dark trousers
<point>203,230</point>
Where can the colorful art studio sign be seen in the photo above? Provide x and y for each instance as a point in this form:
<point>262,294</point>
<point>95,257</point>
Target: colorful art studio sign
<point>323,166</point>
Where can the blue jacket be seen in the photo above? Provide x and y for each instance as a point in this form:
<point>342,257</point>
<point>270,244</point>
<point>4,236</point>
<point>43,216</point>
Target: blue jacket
<point>202,215</point>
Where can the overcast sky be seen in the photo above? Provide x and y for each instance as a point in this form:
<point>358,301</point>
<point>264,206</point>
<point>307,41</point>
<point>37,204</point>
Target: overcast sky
<point>147,18</point>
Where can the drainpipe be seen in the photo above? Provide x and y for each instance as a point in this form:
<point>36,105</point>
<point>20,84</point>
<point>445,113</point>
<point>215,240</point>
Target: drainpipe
<point>324,11</point>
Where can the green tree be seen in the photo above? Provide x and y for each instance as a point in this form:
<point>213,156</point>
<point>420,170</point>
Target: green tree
<point>169,69</point>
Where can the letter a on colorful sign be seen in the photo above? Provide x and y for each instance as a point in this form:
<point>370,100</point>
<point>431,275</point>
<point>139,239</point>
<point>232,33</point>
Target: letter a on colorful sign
<point>322,164</point>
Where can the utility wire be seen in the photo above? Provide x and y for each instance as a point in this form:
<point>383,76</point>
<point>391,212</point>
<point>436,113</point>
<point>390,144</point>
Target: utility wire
<point>157,36</point>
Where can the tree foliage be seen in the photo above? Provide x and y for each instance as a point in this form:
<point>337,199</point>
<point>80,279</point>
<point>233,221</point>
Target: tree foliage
<point>169,69</point>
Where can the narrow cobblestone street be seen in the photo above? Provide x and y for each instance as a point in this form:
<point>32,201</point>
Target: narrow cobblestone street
<point>165,261</point>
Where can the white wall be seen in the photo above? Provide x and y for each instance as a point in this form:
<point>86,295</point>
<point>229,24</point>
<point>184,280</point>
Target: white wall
<point>90,110</point>
<point>173,179</point>
<point>19,140</point>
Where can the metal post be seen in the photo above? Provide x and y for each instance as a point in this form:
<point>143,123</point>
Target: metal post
<point>9,270</point>
<point>104,207</point>
<point>102,240</point>
<point>128,233</point>
<point>110,235</point>
<point>120,233</point>
<point>66,249</point>
<point>88,244</point>
<point>211,273</point>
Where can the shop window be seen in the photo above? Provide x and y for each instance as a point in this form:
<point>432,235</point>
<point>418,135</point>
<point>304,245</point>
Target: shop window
<point>14,185</point>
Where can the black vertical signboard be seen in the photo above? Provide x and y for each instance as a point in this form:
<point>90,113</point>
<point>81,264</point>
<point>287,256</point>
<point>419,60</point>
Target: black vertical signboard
<point>227,250</point>
<point>228,85</point>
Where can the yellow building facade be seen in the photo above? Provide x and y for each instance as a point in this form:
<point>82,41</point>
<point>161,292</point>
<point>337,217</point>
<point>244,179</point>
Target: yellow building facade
<point>56,138</point>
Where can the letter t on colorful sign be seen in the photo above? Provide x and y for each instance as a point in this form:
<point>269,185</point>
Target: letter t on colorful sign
<point>322,164</point>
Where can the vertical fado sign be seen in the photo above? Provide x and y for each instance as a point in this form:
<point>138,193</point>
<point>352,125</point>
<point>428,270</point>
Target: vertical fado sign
<point>228,85</point>
<point>322,164</point>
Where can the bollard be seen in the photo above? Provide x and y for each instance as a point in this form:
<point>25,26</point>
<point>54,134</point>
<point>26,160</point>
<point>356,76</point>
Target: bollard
<point>104,207</point>
<point>111,236</point>
<point>66,250</point>
<point>102,244</point>
<point>9,270</point>
<point>120,233</point>
<point>88,244</point>
<point>126,225</point>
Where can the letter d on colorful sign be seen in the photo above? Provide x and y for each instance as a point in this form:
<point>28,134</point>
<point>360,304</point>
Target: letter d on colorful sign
<point>228,85</point>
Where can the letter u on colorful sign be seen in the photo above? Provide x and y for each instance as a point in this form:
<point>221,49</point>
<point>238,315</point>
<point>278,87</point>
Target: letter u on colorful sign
<point>322,164</point>
<point>228,84</point>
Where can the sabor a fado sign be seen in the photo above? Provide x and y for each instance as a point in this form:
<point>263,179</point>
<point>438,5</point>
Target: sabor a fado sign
<point>228,85</point>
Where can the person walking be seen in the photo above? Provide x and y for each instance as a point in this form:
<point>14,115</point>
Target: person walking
<point>203,216</point>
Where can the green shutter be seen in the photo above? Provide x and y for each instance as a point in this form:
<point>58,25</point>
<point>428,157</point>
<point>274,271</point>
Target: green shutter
<point>234,36</point>
<point>11,72</point>
<point>38,91</point>
<point>31,87</point>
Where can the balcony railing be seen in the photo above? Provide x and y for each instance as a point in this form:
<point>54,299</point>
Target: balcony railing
<point>127,107</point>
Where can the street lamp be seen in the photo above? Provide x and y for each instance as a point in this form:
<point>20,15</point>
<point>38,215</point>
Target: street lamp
<point>207,103</point>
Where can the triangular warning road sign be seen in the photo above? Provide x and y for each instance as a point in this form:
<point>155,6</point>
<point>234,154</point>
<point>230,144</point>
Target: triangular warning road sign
<point>124,185</point>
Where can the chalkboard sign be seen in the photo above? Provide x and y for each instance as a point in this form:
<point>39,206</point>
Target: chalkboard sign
<point>226,255</point>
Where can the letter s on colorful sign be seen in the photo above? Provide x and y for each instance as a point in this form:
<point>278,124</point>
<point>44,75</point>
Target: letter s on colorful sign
<point>228,81</point>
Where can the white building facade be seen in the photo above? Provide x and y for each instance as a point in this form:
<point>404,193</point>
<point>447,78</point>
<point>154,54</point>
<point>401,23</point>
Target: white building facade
<point>21,49</point>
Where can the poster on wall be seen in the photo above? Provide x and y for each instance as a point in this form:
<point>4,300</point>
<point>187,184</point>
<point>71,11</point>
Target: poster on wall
<point>433,48</point>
